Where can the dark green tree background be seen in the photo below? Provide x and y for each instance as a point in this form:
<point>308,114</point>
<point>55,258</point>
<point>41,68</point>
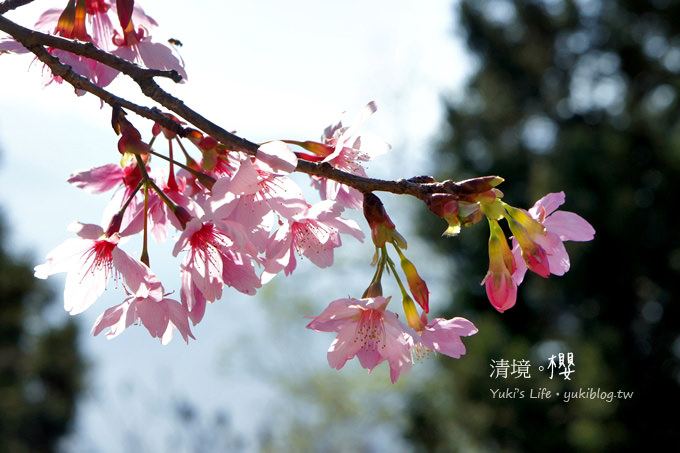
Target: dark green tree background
<point>41,366</point>
<point>580,96</point>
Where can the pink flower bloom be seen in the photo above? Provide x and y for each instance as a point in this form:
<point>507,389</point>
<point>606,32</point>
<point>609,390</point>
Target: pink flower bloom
<point>529,234</point>
<point>313,232</point>
<point>559,226</point>
<point>212,259</point>
<point>500,287</point>
<point>100,179</point>
<point>277,157</point>
<point>443,335</point>
<point>113,177</point>
<point>90,260</point>
<point>368,331</point>
<point>342,148</point>
<point>160,316</point>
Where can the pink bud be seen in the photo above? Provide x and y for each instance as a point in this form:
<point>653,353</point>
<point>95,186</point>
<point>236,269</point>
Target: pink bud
<point>182,215</point>
<point>416,284</point>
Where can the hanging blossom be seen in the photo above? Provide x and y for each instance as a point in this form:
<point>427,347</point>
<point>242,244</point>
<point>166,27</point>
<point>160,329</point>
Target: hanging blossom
<point>538,237</point>
<point>560,226</point>
<point>90,261</point>
<point>160,315</point>
<point>368,331</point>
<point>371,333</point>
<point>313,232</point>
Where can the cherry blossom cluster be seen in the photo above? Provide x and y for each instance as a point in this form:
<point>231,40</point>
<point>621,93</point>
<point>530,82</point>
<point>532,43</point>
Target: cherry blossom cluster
<point>237,219</point>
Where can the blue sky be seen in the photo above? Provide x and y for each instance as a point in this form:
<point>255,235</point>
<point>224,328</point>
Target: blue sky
<point>268,70</point>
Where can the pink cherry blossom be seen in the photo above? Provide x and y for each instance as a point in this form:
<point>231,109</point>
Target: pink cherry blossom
<point>500,287</point>
<point>160,315</point>
<point>213,258</point>
<point>343,148</point>
<point>368,331</point>
<point>443,335</point>
<point>559,226</point>
<point>313,232</point>
<point>90,260</point>
<point>124,181</point>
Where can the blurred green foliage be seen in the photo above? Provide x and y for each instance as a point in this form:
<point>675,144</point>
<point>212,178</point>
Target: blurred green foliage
<point>41,366</point>
<point>580,96</point>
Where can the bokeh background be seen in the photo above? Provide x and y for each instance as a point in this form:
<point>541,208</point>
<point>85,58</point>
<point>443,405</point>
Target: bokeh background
<point>580,96</point>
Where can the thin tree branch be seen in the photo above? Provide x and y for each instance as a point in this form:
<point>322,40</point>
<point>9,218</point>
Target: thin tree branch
<point>28,37</point>
<point>9,5</point>
<point>35,41</point>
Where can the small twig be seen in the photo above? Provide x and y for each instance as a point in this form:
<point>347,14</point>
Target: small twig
<point>9,5</point>
<point>35,41</point>
<point>29,37</point>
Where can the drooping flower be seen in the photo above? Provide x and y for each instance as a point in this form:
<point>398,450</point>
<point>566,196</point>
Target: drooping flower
<point>382,227</point>
<point>559,226</point>
<point>530,235</point>
<point>160,315</point>
<point>90,260</point>
<point>443,335</point>
<point>368,331</point>
<point>440,335</point>
<point>313,232</point>
<point>213,258</point>
<point>500,286</point>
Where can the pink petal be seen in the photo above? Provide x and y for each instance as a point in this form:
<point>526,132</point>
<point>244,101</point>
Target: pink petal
<point>12,46</point>
<point>569,226</point>
<point>65,257</point>
<point>87,230</point>
<point>83,287</point>
<point>549,203</point>
<point>98,179</point>
<point>338,313</point>
<point>178,318</point>
<point>109,318</point>
<point>520,265</point>
<point>154,315</point>
<point>503,296</point>
<point>137,276</point>
<point>239,272</point>
<point>558,259</point>
<point>277,157</point>
<point>343,348</point>
<point>159,56</point>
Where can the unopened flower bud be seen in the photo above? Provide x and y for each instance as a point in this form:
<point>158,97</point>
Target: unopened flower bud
<point>442,204</point>
<point>373,290</point>
<point>382,228</point>
<point>412,319</point>
<point>532,252</point>
<point>114,225</point>
<point>182,215</point>
<point>168,133</point>
<point>478,185</point>
<point>416,284</point>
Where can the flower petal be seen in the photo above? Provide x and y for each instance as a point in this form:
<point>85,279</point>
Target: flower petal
<point>569,226</point>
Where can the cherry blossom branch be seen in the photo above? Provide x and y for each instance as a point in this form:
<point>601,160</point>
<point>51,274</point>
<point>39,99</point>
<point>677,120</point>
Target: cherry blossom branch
<point>242,221</point>
<point>35,41</point>
<point>30,38</point>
